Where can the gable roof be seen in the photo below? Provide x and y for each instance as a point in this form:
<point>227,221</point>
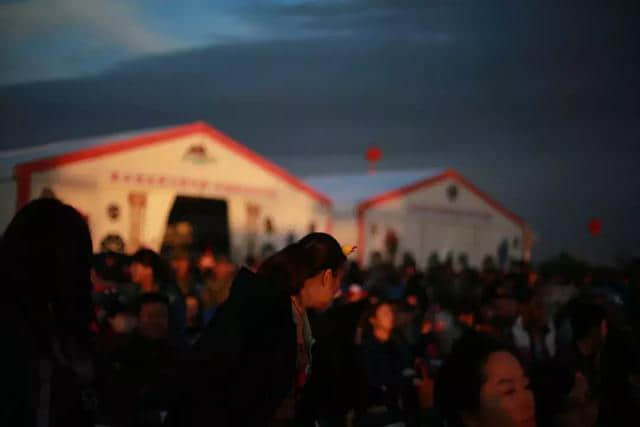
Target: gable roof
<point>350,190</point>
<point>362,191</point>
<point>37,159</point>
<point>11,158</point>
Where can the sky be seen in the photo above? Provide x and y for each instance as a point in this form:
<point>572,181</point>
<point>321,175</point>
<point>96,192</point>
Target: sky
<point>537,102</point>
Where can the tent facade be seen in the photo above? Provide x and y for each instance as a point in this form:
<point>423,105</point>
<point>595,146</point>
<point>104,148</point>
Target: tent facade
<point>422,213</point>
<point>132,188</point>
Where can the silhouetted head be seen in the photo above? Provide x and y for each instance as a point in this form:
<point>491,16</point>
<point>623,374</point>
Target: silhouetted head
<point>45,257</point>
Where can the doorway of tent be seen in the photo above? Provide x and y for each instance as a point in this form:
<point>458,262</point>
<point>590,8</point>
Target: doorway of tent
<point>196,223</point>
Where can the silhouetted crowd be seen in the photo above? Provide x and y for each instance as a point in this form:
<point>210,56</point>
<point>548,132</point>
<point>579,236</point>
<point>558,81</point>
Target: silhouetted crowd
<point>448,346</point>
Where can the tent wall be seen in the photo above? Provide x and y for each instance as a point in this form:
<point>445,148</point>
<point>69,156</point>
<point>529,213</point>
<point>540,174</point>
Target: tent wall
<point>430,221</point>
<point>143,183</point>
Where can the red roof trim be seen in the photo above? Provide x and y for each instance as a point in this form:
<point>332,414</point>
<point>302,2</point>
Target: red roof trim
<point>449,173</point>
<point>106,149</point>
<point>24,170</point>
<point>263,163</point>
<point>492,202</point>
<point>394,194</point>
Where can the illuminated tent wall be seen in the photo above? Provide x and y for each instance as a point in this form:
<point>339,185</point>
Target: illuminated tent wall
<point>422,212</point>
<point>126,186</point>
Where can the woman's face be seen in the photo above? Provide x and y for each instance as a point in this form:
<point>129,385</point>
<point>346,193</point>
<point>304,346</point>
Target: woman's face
<point>323,288</point>
<point>505,398</point>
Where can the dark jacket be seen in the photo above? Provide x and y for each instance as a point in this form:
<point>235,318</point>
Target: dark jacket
<point>384,384</point>
<point>334,382</point>
<point>141,382</point>
<point>35,385</point>
<point>244,364</point>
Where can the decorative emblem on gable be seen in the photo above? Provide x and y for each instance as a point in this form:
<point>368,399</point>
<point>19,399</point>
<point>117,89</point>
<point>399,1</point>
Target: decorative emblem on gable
<point>197,154</point>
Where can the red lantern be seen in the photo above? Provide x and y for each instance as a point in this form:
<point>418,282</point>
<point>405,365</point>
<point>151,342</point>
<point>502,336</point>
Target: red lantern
<point>595,226</point>
<point>374,154</point>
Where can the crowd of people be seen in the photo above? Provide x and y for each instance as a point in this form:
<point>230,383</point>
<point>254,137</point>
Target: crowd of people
<point>306,337</point>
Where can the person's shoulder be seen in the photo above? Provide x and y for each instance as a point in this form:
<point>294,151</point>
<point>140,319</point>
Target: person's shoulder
<point>245,276</point>
<point>244,283</point>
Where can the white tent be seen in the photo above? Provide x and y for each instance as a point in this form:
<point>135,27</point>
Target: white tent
<point>131,186</point>
<point>422,212</point>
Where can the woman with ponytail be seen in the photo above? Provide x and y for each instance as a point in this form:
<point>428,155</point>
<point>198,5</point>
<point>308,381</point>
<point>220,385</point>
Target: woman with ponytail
<point>253,359</point>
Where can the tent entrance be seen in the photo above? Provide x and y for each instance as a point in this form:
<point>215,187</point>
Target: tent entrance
<point>196,222</point>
